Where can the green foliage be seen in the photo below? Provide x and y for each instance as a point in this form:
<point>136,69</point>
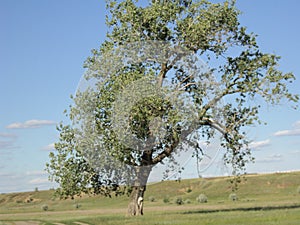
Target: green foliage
<point>202,198</point>
<point>29,200</point>
<point>151,198</point>
<point>189,190</point>
<point>77,205</point>
<point>187,201</point>
<point>208,30</point>
<point>233,197</point>
<point>45,207</point>
<point>166,199</point>
<point>178,201</point>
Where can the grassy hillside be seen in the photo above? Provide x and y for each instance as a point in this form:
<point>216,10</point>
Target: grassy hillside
<point>261,198</point>
<point>265,189</point>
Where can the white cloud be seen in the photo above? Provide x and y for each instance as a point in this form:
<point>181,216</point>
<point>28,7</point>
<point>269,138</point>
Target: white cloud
<point>271,159</point>
<point>8,141</point>
<point>297,152</point>
<point>8,135</point>
<point>293,132</point>
<point>39,181</point>
<point>259,144</point>
<point>297,124</point>
<point>27,181</point>
<point>30,124</point>
<point>8,145</point>
<point>49,147</point>
<point>36,173</point>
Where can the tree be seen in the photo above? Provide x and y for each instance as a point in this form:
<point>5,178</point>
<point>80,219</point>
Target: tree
<point>150,97</point>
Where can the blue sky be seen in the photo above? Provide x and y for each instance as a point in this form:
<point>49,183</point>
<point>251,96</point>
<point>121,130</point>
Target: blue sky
<point>43,45</point>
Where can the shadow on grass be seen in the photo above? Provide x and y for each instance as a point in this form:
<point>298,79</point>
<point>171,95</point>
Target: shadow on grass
<point>256,208</point>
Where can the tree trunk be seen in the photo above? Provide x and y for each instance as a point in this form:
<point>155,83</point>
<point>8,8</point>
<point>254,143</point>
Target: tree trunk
<point>135,206</point>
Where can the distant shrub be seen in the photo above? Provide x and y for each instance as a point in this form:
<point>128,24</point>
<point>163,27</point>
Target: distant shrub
<point>233,197</point>
<point>151,199</point>
<point>187,201</point>
<point>29,200</point>
<point>166,199</point>
<point>19,201</point>
<point>179,201</point>
<point>202,198</point>
<point>36,189</point>
<point>189,190</point>
<point>77,205</point>
<point>298,190</point>
<point>45,207</point>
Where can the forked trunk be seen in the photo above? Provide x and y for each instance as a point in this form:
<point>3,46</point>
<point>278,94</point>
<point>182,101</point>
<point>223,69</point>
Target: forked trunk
<point>136,202</point>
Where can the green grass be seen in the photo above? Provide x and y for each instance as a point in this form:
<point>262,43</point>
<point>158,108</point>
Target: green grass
<point>234,217</point>
<point>262,199</point>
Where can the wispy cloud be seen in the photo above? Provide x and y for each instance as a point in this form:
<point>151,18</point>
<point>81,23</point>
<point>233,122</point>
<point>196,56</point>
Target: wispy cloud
<point>7,141</point>
<point>297,124</point>
<point>7,145</point>
<point>255,145</point>
<point>39,181</point>
<point>8,135</point>
<point>30,124</point>
<point>36,173</point>
<point>297,152</point>
<point>18,182</point>
<point>271,159</point>
<point>294,131</point>
<point>49,147</point>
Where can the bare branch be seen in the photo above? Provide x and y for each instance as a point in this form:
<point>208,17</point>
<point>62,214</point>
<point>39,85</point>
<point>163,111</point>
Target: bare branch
<point>189,84</point>
<point>162,74</point>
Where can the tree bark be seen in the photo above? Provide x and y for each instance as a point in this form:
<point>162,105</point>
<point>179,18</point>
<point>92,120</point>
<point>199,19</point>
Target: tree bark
<point>136,202</point>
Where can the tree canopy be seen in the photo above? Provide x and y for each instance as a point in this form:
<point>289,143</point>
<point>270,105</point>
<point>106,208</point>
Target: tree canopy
<point>170,74</point>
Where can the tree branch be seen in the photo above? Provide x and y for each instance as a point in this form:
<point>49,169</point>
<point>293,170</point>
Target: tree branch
<point>162,74</point>
<point>215,124</point>
<point>182,88</point>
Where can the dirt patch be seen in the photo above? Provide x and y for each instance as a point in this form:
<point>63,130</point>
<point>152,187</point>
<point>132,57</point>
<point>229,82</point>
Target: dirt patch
<point>26,223</point>
<point>79,223</point>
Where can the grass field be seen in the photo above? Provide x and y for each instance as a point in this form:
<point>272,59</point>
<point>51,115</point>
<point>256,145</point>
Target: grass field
<point>262,199</point>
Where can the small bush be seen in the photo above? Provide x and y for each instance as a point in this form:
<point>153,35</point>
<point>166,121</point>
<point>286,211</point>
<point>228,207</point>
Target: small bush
<point>179,201</point>
<point>45,207</point>
<point>151,199</point>
<point>202,198</point>
<point>233,197</point>
<point>187,201</point>
<point>189,190</point>
<point>29,200</point>
<point>166,200</point>
<point>77,205</point>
